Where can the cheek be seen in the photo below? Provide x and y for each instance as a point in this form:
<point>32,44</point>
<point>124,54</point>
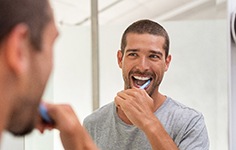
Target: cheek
<point>158,70</point>
<point>49,58</point>
<point>127,65</point>
<point>46,65</point>
<point>126,69</point>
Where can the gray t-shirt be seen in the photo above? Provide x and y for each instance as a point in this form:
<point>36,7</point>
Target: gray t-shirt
<point>186,127</point>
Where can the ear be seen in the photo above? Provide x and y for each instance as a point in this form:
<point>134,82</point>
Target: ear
<point>119,58</point>
<point>168,60</point>
<point>17,45</point>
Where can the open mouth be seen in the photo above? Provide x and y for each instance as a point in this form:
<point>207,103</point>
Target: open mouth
<point>138,81</point>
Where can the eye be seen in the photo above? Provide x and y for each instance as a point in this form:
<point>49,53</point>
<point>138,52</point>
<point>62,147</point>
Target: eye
<point>153,56</point>
<point>132,54</point>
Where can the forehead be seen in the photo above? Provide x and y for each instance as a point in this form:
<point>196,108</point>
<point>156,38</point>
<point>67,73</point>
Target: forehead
<point>144,41</point>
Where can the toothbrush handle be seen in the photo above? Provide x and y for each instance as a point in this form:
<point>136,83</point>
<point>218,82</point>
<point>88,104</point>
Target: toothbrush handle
<point>145,85</point>
<point>43,112</point>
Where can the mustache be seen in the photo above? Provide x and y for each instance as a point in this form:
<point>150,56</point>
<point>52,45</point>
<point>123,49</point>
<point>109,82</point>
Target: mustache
<point>143,73</point>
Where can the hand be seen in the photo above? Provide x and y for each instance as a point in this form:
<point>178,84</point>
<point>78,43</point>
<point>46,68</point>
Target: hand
<point>73,135</point>
<point>139,108</point>
<point>137,105</point>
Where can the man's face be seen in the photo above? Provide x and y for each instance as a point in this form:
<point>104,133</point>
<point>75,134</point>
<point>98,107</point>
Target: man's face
<point>26,114</point>
<point>143,60</point>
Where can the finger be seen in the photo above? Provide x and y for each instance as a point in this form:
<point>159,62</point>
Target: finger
<point>135,92</point>
<point>118,100</point>
<point>123,95</point>
<point>58,112</point>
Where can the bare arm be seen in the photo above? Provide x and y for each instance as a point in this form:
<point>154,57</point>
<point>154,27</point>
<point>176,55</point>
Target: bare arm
<point>157,136</point>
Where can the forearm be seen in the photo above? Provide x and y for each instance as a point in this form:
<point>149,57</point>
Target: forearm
<point>157,136</point>
<point>80,140</point>
<point>87,142</point>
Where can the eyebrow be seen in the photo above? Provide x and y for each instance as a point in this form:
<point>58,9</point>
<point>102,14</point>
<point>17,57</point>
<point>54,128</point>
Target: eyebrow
<point>131,50</point>
<point>157,52</point>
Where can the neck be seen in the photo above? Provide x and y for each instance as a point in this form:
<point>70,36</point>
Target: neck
<point>158,100</point>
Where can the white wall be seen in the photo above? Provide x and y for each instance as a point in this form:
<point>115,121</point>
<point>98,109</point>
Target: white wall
<point>72,74</point>
<point>9,142</point>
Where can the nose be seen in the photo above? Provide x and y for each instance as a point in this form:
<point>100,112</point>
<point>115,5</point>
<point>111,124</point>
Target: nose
<point>142,64</point>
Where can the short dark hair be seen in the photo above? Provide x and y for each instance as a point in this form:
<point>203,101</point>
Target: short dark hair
<point>146,26</point>
<point>34,13</point>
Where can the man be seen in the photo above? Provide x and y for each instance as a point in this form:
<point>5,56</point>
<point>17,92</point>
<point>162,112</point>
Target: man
<point>27,35</point>
<point>139,118</point>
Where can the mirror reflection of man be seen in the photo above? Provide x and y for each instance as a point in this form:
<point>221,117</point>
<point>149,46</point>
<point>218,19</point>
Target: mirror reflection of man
<point>145,118</point>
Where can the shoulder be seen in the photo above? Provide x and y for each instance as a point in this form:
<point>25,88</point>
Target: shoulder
<point>180,109</point>
<point>100,114</point>
<point>189,126</point>
<point>175,113</point>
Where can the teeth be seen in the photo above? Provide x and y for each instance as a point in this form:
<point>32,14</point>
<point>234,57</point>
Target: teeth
<point>141,78</point>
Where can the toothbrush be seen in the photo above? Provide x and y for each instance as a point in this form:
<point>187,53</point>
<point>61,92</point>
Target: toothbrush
<point>44,114</point>
<point>145,85</point>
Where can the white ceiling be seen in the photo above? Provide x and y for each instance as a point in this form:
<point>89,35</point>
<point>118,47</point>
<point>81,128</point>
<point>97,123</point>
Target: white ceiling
<point>77,12</point>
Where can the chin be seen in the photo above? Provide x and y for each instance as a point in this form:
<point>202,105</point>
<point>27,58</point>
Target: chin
<point>23,132</point>
<point>23,123</point>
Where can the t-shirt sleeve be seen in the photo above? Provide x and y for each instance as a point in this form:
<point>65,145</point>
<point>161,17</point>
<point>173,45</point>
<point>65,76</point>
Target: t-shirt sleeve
<point>194,135</point>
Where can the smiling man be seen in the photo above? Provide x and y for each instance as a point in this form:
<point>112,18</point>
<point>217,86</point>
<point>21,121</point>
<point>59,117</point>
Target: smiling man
<point>139,118</point>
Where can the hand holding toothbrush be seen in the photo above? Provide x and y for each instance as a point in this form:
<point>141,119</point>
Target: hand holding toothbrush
<point>136,105</point>
<point>63,118</point>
